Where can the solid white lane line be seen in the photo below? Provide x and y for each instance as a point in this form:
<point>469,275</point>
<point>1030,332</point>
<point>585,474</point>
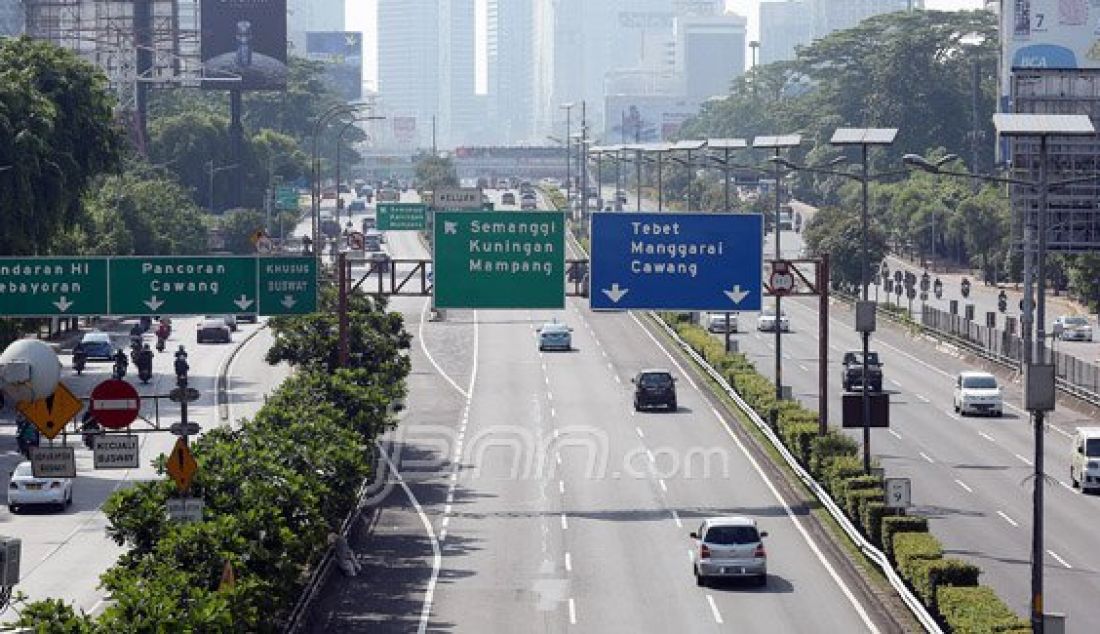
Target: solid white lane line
<point>894,434</point>
<point>676,518</point>
<point>1007,518</point>
<point>987,436</point>
<point>668,354</point>
<point>714,610</point>
<point>1023,459</point>
<point>564,522</point>
<point>431,359</point>
<point>1059,559</point>
<point>641,434</point>
<point>572,611</point>
<point>1067,487</point>
<point>896,383</point>
<point>963,485</point>
<point>927,458</point>
<point>568,563</point>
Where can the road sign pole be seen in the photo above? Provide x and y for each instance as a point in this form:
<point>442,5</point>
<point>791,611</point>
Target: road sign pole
<point>342,307</point>
<point>823,345</point>
<point>778,296</point>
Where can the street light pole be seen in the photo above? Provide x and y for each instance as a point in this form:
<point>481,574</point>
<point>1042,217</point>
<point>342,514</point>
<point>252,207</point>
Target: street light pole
<point>568,107</point>
<point>315,175</point>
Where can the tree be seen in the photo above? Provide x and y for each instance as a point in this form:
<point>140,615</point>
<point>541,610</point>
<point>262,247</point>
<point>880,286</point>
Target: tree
<point>238,227</point>
<point>56,135</point>
<point>838,232</point>
<point>433,172</point>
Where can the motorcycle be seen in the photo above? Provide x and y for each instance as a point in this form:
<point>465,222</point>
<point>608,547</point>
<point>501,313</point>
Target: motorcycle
<point>80,358</point>
<point>89,429</point>
<point>160,344</point>
<point>144,363</point>
<point>119,370</point>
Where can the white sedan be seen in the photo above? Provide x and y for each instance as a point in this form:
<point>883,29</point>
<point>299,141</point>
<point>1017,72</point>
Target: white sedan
<point>26,490</point>
<point>766,322</point>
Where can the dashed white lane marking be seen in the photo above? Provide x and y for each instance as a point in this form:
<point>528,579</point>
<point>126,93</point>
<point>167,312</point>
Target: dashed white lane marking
<point>1007,518</point>
<point>963,485</point>
<point>1023,459</point>
<point>618,380</point>
<point>564,522</point>
<point>568,563</point>
<point>987,436</point>
<point>641,434</point>
<point>691,555</point>
<point>664,487</point>
<point>714,610</point>
<point>1067,487</point>
<point>896,383</point>
<point>803,368</point>
<point>1059,559</point>
<point>553,413</point>
<point>676,518</point>
<point>649,454</point>
<point>549,395</point>
<point>561,487</point>
<point>894,434</point>
<point>557,458</point>
<point>923,399</point>
<point>927,458</point>
<point>572,611</point>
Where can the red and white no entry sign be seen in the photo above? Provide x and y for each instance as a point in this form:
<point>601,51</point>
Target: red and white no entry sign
<point>115,403</point>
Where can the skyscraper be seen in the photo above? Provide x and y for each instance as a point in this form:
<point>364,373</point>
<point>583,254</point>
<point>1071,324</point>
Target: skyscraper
<point>712,54</point>
<point>511,79</point>
<point>783,26</point>
<point>834,15</point>
<point>11,17</point>
<point>426,69</point>
<point>311,15</point>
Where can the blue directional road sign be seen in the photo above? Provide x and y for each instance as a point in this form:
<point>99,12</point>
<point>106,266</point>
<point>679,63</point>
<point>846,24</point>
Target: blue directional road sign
<point>677,261</point>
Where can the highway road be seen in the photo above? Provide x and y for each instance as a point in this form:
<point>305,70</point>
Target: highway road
<point>64,552</point>
<point>534,498</point>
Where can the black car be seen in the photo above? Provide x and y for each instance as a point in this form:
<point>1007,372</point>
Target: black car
<point>852,372</point>
<point>654,388</point>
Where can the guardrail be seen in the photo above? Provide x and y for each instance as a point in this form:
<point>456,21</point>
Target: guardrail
<point>866,547</point>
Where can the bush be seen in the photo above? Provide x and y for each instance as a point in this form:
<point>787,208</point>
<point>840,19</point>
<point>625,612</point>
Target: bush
<point>933,573</point>
<point>912,550</point>
<point>799,439</point>
<point>839,471</point>
<point>977,610</point>
<point>854,502</point>
<point>871,519</point>
<point>895,524</point>
<point>826,448</point>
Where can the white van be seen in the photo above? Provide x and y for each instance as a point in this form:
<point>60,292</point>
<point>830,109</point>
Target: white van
<point>1084,463</point>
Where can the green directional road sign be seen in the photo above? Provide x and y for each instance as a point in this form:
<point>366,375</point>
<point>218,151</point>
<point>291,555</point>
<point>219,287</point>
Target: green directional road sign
<point>188,285</point>
<point>286,198</point>
<point>402,216</point>
<point>288,285</point>
<point>499,259</point>
<point>46,287</point>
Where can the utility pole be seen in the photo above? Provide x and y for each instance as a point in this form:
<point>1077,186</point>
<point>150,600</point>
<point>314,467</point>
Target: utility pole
<point>568,107</point>
<point>583,158</point>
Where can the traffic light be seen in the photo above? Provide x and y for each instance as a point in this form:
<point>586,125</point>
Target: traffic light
<point>181,365</point>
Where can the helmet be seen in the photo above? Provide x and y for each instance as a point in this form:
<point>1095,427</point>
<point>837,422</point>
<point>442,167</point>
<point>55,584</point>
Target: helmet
<point>145,347</point>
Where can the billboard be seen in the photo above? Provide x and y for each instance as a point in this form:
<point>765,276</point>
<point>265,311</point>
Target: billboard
<point>645,118</point>
<point>244,44</point>
<point>1052,34</point>
<point>342,54</point>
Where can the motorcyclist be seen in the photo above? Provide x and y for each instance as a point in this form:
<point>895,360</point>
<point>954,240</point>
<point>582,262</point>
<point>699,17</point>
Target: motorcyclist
<point>80,357</point>
<point>144,363</point>
<point>163,330</point>
<point>135,334</point>
<point>181,365</point>
<point>121,364</point>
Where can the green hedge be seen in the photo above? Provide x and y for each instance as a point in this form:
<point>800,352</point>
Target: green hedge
<point>855,501</point>
<point>871,519</point>
<point>977,610</point>
<point>900,524</point>
<point>933,573</point>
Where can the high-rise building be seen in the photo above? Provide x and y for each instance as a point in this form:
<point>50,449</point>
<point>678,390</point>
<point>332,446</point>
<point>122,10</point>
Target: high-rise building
<point>712,54</point>
<point>311,15</point>
<point>783,26</point>
<point>426,70</point>
<point>834,15</point>
<point>11,17</point>
<point>510,58</point>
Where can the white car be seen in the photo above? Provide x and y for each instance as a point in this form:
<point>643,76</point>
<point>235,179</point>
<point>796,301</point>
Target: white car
<point>212,329</point>
<point>978,393</point>
<point>1073,328</point>
<point>716,322</point>
<point>729,547</point>
<point>26,490</point>
<point>555,336</point>
<point>766,322</point>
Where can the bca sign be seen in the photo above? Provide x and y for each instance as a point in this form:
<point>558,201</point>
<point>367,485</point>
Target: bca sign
<point>457,198</point>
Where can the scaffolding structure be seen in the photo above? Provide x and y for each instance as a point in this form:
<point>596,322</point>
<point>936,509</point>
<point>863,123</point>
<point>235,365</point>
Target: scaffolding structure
<point>139,44</point>
<point>1074,210</point>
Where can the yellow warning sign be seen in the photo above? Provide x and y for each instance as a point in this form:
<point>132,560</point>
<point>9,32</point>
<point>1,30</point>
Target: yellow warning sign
<point>182,466</point>
<point>51,414</point>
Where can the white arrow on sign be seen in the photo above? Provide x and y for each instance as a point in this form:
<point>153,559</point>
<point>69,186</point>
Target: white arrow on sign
<point>63,304</point>
<point>288,302</point>
<point>736,294</point>
<point>450,227</point>
<point>153,303</point>
<point>615,293</point>
<point>242,302</point>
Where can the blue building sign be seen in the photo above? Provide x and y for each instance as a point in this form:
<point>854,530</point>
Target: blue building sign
<point>677,261</point>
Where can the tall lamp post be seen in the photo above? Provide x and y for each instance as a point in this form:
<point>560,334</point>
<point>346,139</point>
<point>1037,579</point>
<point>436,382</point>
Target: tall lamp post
<point>688,146</point>
<point>1039,382</point>
<point>778,143</point>
<point>339,145</point>
<point>568,108</point>
<point>864,138</point>
<point>315,175</point>
<point>726,145</point>
<point>210,171</point>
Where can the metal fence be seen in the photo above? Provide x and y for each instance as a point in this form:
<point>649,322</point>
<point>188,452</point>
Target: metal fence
<point>1075,373</point>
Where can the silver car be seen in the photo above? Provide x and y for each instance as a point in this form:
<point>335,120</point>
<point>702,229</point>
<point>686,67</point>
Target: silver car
<point>729,547</point>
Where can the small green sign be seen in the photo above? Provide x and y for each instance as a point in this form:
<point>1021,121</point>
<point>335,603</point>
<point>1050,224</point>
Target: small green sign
<point>499,259</point>
<point>286,198</point>
<point>48,287</point>
<point>288,285</point>
<point>188,285</point>
<point>402,216</point>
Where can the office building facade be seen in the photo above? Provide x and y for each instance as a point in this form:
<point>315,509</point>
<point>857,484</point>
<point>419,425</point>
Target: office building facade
<point>510,58</point>
<point>783,26</point>
<point>711,54</point>
<point>311,15</point>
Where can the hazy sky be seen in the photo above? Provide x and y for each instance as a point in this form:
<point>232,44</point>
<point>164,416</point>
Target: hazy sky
<point>360,17</point>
